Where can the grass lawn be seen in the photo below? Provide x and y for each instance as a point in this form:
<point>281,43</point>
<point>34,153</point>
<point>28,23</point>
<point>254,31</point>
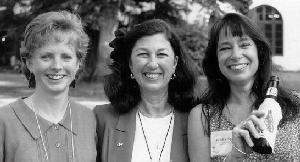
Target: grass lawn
<point>15,85</point>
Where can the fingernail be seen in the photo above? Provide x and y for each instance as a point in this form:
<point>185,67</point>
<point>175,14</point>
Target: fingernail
<point>251,144</point>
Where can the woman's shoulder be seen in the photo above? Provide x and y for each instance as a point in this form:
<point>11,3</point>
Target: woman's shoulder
<point>81,109</point>
<point>106,113</point>
<point>7,112</point>
<point>196,112</point>
<point>106,109</point>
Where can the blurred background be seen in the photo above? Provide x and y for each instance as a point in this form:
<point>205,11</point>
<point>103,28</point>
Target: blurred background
<point>278,19</point>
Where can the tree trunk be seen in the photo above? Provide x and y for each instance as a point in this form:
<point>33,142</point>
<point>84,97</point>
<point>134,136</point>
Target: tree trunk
<point>109,24</point>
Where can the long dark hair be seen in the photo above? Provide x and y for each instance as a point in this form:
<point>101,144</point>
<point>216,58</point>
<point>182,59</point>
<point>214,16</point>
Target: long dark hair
<point>218,91</point>
<point>123,92</point>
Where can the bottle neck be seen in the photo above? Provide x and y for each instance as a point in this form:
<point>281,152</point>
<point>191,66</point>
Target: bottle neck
<point>272,93</point>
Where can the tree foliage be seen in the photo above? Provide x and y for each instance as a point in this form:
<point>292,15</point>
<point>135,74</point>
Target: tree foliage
<point>103,17</point>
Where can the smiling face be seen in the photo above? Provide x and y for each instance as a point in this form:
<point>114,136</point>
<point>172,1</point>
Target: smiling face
<point>54,66</point>
<point>237,57</point>
<point>153,62</point>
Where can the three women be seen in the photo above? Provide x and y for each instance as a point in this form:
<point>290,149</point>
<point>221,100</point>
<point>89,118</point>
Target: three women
<point>151,92</point>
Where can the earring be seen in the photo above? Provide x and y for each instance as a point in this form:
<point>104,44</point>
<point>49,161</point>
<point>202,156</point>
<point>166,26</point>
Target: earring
<point>131,76</point>
<point>173,76</point>
<point>31,81</point>
<point>73,83</point>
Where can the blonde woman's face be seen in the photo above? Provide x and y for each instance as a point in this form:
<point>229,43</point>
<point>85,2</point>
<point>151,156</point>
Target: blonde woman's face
<point>54,66</point>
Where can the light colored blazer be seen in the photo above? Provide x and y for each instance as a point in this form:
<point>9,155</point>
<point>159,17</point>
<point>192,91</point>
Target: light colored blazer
<point>116,134</point>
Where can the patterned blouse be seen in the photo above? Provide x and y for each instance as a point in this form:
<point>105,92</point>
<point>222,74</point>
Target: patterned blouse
<point>287,144</point>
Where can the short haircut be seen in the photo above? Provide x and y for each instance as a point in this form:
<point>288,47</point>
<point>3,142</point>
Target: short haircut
<point>52,27</point>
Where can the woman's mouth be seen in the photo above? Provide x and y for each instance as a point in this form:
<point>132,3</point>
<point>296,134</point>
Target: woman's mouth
<point>238,66</point>
<point>55,76</point>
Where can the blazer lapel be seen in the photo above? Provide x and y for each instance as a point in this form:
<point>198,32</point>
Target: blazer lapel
<point>124,136</point>
<point>179,139</point>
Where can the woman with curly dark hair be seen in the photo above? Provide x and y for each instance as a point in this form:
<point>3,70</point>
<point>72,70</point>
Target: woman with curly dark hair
<point>237,64</point>
<point>151,92</point>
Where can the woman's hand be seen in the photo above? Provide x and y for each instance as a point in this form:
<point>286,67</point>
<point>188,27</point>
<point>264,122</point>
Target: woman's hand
<point>241,134</point>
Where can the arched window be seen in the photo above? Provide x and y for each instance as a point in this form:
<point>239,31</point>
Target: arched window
<point>270,21</point>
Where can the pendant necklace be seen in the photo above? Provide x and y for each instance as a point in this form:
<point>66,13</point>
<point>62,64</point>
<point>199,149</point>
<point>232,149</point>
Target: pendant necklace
<point>41,134</point>
<point>165,139</point>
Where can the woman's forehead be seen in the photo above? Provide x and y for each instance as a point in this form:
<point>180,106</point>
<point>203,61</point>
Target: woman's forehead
<point>232,31</point>
<point>60,36</point>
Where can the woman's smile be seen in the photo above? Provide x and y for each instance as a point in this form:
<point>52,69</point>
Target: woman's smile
<point>152,76</point>
<point>55,76</point>
<point>238,67</point>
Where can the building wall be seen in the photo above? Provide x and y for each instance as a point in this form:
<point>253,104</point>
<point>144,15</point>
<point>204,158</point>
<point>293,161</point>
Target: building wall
<point>290,12</point>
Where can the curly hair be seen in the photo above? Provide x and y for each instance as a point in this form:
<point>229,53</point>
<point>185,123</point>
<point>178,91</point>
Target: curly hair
<point>218,90</point>
<point>123,92</point>
<point>51,27</point>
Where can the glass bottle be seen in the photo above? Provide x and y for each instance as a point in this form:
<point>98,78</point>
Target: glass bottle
<point>265,143</point>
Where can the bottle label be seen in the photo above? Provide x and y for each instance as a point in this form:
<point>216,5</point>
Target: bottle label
<point>272,91</point>
<point>269,121</point>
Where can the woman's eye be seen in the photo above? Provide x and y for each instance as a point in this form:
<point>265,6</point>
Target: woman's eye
<point>142,54</point>
<point>224,48</point>
<point>162,54</point>
<point>67,57</point>
<point>45,57</point>
<point>245,45</point>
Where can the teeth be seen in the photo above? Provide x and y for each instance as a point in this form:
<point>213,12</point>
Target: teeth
<point>238,67</point>
<point>55,76</point>
<point>152,75</point>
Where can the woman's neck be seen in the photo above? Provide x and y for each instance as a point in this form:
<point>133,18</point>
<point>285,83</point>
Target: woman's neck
<point>240,103</point>
<point>50,107</point>
<point>155,105</point>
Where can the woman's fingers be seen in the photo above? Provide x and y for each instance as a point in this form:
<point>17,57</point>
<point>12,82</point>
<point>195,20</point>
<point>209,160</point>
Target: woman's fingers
<point>258,122</point>
<point>241,142</point>
<point>246,136</point>
<point>258,114</point>
<point>251,128</point>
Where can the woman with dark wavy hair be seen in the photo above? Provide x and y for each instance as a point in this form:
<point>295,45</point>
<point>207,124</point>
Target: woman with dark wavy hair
<point>151,92</point>
<point>237,64</point>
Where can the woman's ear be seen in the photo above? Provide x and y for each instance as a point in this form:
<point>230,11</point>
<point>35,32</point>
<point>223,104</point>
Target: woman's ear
<point>29,64</point>
<point>175,61</point>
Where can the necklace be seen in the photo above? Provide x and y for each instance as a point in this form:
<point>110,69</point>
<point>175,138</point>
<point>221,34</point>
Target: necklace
<point>41,134</point>
<point>165,139</point>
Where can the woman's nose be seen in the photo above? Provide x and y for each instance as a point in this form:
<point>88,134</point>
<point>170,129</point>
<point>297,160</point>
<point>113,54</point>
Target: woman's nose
<point>57,63</point>
<point>153,64</point>
<point>237,53</point>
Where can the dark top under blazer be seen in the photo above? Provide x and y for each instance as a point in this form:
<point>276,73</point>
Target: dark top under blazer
<point>116,134</point>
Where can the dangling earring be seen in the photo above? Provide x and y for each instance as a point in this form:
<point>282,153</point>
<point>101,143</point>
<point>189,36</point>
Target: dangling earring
<point>73,83</point>
<point>31,80</point>
<point>131,76</point>
<point>173,76</point>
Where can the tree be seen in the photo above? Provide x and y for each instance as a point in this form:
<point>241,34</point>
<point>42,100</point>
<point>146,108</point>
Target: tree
<point>103,17</point>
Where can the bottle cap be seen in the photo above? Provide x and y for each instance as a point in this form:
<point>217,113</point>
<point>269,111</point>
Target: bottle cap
<point>274,78</point>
